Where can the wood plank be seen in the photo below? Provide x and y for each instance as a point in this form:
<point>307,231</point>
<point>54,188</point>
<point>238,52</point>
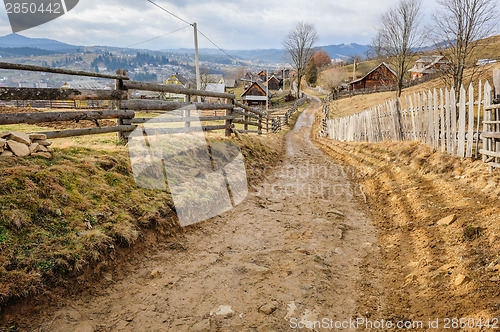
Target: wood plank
<point>15,66</point>
<point>490,134</point>
<point>478,117</point>
<point>161,105</point>
<point>487,145</point>
<point>453,114</point>
<point>173,88</point>
<point>470,131</point>
<point>442,112</point>
<point>180,130</point>
<point>448,121</point>
<point>462,109</point>
<point>183,119</point>
<point>35,118</point>
<point>490,153</point>
<point>86,131</point>
<point>8,94</point>
<point>436,120</point>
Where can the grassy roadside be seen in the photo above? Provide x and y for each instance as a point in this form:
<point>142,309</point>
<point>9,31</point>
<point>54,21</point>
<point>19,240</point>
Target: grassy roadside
<point>78,209</point>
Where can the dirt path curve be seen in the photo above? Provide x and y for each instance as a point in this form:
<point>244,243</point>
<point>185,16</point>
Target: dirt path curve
<point>291,251</point>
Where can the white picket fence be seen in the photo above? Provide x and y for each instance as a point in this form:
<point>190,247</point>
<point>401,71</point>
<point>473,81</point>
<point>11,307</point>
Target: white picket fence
<point>434,118</point>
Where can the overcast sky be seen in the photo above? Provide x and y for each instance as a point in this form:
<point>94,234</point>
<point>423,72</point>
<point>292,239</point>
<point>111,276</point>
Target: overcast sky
<point>232,24</point>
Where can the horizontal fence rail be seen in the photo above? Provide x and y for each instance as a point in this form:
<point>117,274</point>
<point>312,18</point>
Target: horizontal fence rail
<point>223,113</point>
<point>445,120</point>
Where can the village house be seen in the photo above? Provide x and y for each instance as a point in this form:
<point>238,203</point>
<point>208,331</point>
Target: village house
<point>214,87</point>
<point>178,79</point>
<point>255,95</point>
<point>263,76</point>
<point>273,83</point>
<point>428,65</point>
<point>382,75</point>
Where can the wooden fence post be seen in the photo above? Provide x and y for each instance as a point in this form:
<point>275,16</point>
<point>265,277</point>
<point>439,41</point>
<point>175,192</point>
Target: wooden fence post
<point>122,135</point>
<point>229,122</point>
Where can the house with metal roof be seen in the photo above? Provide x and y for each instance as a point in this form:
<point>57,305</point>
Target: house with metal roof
<point>255,95</point>
<point>429,65</point>
<point>382,75</point>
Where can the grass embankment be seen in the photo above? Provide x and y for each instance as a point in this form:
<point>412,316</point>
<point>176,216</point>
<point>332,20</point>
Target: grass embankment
<point>59,216</point>
<point>351,105</point>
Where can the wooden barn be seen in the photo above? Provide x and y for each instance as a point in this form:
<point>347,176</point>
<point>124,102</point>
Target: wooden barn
<point>382,75</point>
<point>255,95</point>
<point>273,83</point>
<point>263,76</point>
<point>429,65</point>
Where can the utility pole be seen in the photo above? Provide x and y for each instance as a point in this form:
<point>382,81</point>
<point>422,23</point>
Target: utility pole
<point>354,71</point>
<point>197,59</point>
<point>267,90</point>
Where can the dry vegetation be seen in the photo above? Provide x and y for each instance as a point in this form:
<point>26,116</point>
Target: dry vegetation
<point>351,105</point>
<point>60,216</point>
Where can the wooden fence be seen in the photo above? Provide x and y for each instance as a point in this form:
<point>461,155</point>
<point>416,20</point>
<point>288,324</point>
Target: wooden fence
<point>463,127</point>
<point>227,110</point>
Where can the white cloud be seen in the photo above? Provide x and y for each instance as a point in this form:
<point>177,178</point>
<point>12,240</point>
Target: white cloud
<point>233,24</point>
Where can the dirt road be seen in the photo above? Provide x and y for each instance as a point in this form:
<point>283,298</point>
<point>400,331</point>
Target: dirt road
<point>291,252</point>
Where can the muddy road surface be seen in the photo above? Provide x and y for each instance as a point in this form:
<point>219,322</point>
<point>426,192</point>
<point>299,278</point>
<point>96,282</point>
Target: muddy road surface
<point>291,254</point>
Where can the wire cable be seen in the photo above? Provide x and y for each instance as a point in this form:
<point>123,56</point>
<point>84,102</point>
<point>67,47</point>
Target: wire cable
<point>146,41</point>
<point>177,17</point>
<point>220,49</point>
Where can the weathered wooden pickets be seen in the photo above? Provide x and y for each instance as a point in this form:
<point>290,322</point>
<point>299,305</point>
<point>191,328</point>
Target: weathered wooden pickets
<point>436,118</point>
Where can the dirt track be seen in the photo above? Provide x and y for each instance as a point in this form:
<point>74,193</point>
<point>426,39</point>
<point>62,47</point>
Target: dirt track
<point>292,251</point>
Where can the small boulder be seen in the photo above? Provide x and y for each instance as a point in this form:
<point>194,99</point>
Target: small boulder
<point>461,279</point>
<point>34,147</point>
<point>20,137</point>
<point>19,149</point>
<point>268,308</point>
<point>447,220</point>
<point>42,142</point>
<point>4,134</point>
<point>45,155</point>
<point>3,142</point>
<point>203,326</point>
<point>6,154</point>
<point>38,136</point>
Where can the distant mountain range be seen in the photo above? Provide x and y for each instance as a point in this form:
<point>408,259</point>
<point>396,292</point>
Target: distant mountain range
<point>259,55</point>
<point>340,51</point>
<point>18,41</point>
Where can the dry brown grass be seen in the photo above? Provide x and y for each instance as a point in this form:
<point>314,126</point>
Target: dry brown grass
<point>356,104</point>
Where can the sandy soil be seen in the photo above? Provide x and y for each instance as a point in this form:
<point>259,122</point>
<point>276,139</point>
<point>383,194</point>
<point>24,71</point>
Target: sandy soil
<point>292,251</point>
<point>429,270</point>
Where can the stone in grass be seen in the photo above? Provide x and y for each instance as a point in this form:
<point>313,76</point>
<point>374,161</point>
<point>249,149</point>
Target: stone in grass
<point>3,142</point>
<point>43,155</point>
<point>268,308</point>
<point>461,279</point>
<point>20,137</point>
<point>34,147</point>
<point>447,220</point>
<point>42,142</point>
<point>6,154</point>
<point>19,149</point>
<point>4,134</point>
<point>203,326</point>
<point>38,136</point>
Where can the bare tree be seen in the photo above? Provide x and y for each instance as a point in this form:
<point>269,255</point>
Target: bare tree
<point>460,26</point>
<point>399,37</point>
<point>333,78</point>
<point>299,44</point>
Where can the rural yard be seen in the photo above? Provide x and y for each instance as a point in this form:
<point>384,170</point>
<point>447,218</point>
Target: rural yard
<point>329,167</point>
<point>332,232</point>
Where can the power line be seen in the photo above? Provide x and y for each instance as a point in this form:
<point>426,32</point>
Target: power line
<point>191,24</point>
<point>220,49</point>
<point>177,17</point>
<point>146,41</point>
